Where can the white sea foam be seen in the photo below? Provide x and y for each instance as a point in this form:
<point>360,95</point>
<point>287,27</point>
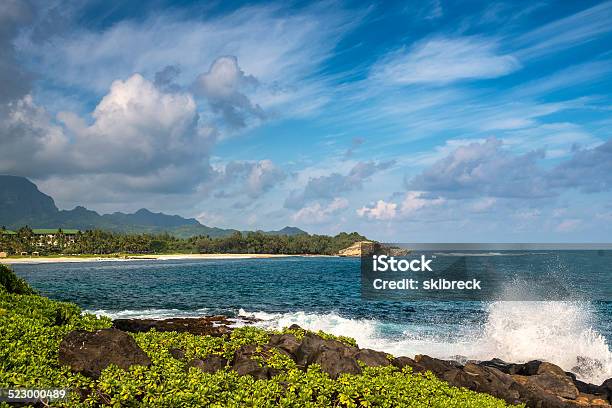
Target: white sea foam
<point>558,332</point>
<point>156,314</point>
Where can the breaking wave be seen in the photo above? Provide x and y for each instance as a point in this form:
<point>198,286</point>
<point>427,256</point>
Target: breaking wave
<point>559,332</point>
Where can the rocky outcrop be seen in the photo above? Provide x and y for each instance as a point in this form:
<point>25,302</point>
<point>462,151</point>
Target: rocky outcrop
<point>209,364</point>
<point>203,326</point>
<point>535,383</point>
<point>91,352</point>
<point>358,249</point>
<point>365,248</point>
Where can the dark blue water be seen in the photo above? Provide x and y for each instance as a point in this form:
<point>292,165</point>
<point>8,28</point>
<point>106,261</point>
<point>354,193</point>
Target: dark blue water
<point>325,294</point>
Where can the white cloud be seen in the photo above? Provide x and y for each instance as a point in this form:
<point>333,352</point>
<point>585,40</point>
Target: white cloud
<point>317,213</point>
<point>442,60</point>
<point>152,139</point>
<point>381,210</point>
<point>263,176</point>
<point>567,32</point>
<point>253,178</point>
<point>282,50</point>
<point>224,85</point>
<point>328,186</point>
<point>415,201</point>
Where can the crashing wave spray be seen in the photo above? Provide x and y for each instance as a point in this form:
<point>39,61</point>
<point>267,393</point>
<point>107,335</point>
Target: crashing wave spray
<point>559,332</point>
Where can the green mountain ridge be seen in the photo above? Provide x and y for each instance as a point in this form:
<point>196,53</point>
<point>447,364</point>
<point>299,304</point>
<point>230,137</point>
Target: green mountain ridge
<point>22,203</point>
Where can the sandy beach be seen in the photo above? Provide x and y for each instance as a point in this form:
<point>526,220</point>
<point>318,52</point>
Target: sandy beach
<point>70,259</point>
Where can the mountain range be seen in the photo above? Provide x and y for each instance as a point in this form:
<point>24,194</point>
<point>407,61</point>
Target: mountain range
<point>22,203</point>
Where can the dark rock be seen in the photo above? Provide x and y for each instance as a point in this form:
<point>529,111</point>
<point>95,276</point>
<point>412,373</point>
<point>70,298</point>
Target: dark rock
<point>435,365</point>
<point>587,388</point>
<point>373,358</point>
<point>286,342</point>
<point>244,353</point>
<point>177,353</point>
<point>529,368</point>
<point>91,352</point>
<point>202,326</point>
<point>251,367</point>
<point>526,369</point>
<point>333,356</point>
<point>606,388</point>
<point>295,327</point>
<point>401,362</point>
<point>210,364</point>
<point>490,380</point>
<point>310,344</point>
<point>244,364</point>
<point>334,363</point>
<point>532,395</point>
<point>553,379</point>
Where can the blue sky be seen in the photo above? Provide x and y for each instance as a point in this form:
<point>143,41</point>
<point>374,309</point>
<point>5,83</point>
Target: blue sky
<point>406,121</point>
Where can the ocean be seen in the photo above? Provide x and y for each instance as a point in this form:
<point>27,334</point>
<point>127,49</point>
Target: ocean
<point>324,293</point>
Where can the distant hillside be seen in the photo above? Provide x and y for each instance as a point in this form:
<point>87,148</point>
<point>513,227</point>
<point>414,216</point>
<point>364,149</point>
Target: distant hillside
<point>22,203</point>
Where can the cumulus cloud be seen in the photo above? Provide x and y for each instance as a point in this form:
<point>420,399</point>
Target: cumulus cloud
<point>14,81</point>
<point>382,210</point>
<point>166,78</point>
<point>441,60</point>
<point>225,86</point>
<point>488,169</point>
<point>152,138</point>
<point>413,203</point>
<point>485,169</point>
<point>588,169</point>
<point>328,187</point>
<point>253,178</point>
<point>416,200</point>
<point>318,213</point>
<point>278,48</point>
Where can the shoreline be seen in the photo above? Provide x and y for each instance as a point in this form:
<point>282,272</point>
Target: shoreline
<point>152,257</point>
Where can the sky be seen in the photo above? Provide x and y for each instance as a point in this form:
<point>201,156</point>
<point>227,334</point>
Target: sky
<point>423,121</point>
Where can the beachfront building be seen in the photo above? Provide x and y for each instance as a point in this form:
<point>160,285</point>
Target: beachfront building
<point>54,237</point>
<point>28,240</point>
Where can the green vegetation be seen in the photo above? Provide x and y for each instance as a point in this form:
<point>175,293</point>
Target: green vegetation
<point>102,242</point>
<point>31,329</point>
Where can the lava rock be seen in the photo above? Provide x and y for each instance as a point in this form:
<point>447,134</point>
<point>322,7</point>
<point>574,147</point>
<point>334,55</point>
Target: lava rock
<point>91,352</point>
<point>210,364</point>
<point>285,342</point>
<point>177,353</point>
<point>203,326</point>
<point>373,358</point>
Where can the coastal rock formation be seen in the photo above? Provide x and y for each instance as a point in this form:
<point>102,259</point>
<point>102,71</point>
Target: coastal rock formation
<point>91,352</point>
<point>535,383</point>
<point>358,248</point>
<point>209,364</point>
<point>202,326</point>
<point>365,248</point>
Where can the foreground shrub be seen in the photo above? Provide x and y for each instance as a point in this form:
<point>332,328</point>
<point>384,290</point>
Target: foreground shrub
<point>11,283</point>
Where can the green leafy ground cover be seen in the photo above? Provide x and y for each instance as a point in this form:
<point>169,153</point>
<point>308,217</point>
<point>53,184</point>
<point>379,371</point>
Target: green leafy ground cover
<point>32,327</point>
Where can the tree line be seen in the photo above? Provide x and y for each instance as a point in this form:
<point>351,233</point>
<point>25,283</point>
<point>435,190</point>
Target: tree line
<point>105,243</point>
